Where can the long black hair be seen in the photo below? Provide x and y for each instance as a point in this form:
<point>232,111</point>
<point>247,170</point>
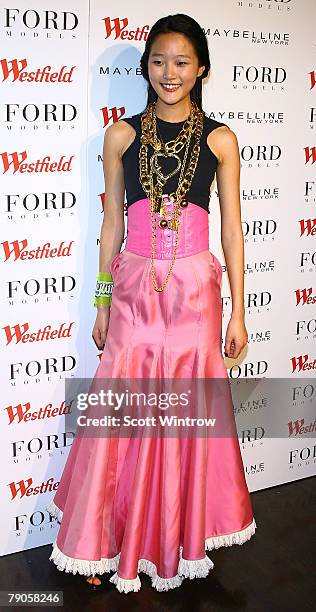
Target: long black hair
<point>183,24</point>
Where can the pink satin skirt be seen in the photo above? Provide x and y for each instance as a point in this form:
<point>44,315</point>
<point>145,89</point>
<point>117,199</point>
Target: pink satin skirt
<point>149,505</point>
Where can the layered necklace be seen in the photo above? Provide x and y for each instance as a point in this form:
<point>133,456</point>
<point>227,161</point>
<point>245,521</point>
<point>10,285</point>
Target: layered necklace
<point>192,128</point>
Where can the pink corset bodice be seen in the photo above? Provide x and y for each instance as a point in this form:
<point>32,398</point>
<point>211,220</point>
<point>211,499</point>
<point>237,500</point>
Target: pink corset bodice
<point>193,232</point>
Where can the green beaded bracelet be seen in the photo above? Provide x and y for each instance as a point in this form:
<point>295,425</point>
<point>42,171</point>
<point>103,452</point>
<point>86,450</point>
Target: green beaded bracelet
<point>103,290</point>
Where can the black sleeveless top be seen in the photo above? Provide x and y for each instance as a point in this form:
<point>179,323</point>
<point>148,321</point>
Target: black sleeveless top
<point>199,192</point>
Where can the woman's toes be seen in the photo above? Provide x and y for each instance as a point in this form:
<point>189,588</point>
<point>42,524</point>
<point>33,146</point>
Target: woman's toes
<point>94,580</point>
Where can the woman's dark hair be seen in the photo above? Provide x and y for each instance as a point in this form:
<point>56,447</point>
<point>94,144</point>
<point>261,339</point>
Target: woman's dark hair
<point>183,24</point>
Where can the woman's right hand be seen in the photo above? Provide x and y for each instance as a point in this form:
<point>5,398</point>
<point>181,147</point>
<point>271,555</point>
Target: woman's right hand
<point>100,327</point>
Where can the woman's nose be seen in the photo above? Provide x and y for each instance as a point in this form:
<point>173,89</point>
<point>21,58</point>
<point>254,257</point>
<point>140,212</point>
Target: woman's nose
<point>169,73</point>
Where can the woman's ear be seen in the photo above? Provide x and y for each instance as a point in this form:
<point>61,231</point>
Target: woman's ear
<point>200,71</point>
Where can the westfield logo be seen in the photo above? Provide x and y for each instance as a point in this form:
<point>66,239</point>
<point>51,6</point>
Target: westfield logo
<point>298,427</point>
<point>118,27</point>
<point>301,363</point>
<point>312,75</point>
<point>16,162</point>
<point>18,249</point>
<point>23,487</point>
<point>19,333</point>
<point>17,70</point>
<point>103,196</point>
<point>112,114</point>
<point>308,227</point>
<point>24,413</point>
<point>310,154</point>
<point>305,296</point>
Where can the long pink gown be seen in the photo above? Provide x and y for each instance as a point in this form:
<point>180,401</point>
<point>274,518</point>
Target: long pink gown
<point>132,505</point>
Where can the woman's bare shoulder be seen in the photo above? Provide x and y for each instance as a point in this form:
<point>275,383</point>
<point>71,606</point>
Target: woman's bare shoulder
<point>119,135</point>
<point>220,138</point>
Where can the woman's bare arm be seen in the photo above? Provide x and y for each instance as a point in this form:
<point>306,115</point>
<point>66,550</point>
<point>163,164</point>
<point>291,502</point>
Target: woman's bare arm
<point>112,229</point>
<point>223,142</point>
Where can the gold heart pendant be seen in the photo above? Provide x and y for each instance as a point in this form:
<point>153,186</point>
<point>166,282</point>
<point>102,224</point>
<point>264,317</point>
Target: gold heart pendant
<point>158,170</point>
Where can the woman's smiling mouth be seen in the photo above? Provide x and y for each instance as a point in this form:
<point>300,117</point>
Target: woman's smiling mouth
<point>170,87</point>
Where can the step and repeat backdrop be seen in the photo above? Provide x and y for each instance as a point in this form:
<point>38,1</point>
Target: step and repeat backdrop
<point>66,75</point>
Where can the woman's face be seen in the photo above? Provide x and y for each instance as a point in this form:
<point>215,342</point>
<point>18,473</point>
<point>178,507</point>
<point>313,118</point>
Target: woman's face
<point>172,60</point>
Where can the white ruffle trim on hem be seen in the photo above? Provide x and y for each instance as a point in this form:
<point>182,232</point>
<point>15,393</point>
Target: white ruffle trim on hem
<point>186,569</point>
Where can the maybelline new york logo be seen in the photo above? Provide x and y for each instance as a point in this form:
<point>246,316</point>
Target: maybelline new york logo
<point>19,333</point>
<point>16,162</point>
<point>19,251</point>
<point>17,70</point>
<point>118,27</point>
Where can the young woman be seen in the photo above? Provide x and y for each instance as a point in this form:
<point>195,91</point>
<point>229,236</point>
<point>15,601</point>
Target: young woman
<point>155,505</point>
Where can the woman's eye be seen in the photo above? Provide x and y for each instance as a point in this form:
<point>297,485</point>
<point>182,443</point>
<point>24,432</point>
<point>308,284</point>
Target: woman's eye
<point>158,62</point>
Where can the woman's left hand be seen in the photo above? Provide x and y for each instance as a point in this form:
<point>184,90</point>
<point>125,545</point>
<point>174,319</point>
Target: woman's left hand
<point>236,337</point>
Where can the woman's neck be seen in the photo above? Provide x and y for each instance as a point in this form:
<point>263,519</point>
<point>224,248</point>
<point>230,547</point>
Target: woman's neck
<point>174,113</point>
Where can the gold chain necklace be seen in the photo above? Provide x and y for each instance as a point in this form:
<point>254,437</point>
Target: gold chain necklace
<point>192,126</point>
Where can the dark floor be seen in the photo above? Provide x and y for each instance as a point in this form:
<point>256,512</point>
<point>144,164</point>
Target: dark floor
<point>274,571</point>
